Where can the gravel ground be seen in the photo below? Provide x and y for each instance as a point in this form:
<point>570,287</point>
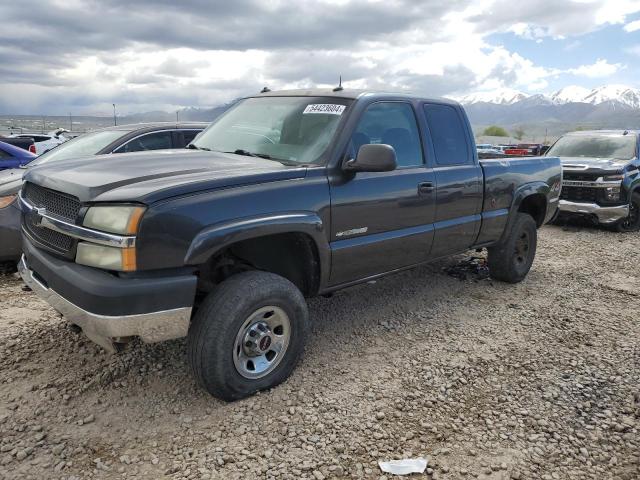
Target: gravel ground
<point>539,380</point>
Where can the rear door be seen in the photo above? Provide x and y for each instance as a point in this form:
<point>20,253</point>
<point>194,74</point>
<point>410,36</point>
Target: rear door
<point>381,221</point>
<point>458,178</point>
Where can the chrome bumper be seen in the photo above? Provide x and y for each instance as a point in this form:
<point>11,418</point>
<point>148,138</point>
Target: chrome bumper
<point>604,214</point>
<point>107,331</point>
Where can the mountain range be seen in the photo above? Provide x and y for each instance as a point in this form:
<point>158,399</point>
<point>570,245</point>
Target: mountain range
<point>622,94</point>
<point>609,106</point>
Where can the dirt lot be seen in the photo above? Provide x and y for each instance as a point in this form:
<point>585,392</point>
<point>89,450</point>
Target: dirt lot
<point>486,380</point>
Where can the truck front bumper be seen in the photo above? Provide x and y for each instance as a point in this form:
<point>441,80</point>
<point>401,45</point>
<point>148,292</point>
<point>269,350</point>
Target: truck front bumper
<point>603,214</point>
<point>109,309</point>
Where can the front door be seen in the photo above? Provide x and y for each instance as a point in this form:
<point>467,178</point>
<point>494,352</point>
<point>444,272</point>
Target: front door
<point>383,221</point>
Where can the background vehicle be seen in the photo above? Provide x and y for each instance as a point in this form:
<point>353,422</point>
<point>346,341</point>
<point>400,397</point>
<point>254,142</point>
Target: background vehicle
<point>336,188</point>
<point>45,141</point>
<point>123,138</point>
<point>14,157</point>
<point>23,143</point>
<point>601,178</point>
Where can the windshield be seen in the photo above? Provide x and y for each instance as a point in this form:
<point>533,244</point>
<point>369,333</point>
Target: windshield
<point>87,144</point>
<point>292,129</point>
<point>597,146</point>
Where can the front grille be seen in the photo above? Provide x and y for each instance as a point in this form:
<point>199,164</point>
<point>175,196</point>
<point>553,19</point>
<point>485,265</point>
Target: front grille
<point>580,177</point>
<point>56,203</point>
<point>579,194</point>
<point>57,241</point>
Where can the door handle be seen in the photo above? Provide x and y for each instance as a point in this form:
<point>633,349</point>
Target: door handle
<point>425,187</point>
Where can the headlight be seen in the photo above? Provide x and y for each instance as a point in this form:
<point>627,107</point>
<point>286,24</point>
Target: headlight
<point>6,201</point>
<point>121,219</point>
<point>108,258</point>
<point>613,178</point>
<point>612,193</point>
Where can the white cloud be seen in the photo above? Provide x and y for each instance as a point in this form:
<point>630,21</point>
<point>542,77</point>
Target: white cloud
<point>165,54</point>
<point>601,68</point>
<point>632,26</point>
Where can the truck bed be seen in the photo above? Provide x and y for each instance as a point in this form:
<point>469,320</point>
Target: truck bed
<point>504,177</point>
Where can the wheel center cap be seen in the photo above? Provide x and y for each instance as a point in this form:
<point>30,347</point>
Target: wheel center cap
<point>257,340</point>
<point>265,343</point>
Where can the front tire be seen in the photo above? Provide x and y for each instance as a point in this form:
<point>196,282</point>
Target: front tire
<point>632,222</point>
<point>248,335</point>
<point>511,260</point>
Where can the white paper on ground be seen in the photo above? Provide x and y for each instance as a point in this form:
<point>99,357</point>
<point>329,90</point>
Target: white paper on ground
<point>404,467</point>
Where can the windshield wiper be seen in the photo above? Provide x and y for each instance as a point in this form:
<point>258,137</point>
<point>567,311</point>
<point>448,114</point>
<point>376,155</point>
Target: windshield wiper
<point>191,146</point>
<point>246,153</point>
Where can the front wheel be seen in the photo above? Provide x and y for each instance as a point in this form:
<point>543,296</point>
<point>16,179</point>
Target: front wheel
<point>632,222</point>
<point>248,335</point>
<point>511,260</point>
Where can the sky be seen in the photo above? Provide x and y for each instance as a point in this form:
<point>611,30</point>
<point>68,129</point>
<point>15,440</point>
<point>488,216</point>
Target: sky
<point>81,56</point>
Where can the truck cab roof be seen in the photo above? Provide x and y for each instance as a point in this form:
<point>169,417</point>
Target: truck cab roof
<point>351,94</point>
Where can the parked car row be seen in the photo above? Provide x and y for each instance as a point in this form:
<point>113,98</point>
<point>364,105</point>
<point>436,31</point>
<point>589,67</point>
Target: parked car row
<point>487,150</point>
<point>112,140</point>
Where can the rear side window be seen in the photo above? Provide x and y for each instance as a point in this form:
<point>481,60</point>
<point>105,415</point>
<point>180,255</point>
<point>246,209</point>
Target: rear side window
<point>4,155</point>
<point>447,135</point>
<point>189,135</point>
<point>150,141</point>
<point>391,123</point>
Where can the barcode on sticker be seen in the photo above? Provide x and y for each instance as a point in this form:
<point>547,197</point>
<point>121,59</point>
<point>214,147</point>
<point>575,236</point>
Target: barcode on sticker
<point>326,108</point>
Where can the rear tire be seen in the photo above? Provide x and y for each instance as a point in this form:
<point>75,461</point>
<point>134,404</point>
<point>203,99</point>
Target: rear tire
<point>632,222</point>
<point>511,260</point>
<point>247,335</point>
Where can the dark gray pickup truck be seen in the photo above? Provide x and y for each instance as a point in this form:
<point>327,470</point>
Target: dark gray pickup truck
<point>601,177</point>
<point>287,195</point>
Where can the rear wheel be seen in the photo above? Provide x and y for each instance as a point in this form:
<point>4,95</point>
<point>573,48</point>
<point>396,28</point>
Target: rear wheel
<point>632,222</point>
<point>247,335</point>
<point>511,261</point>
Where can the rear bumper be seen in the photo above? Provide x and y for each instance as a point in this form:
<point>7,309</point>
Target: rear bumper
<point>603,214</point>
<point>136,309</point>
<point>10,237</point>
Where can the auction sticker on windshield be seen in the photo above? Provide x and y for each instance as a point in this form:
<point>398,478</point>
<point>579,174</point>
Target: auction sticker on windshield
<point>326,108</point>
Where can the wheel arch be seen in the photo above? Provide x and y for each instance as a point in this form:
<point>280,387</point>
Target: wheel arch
<point>531,198</point>
<point>292,245</point>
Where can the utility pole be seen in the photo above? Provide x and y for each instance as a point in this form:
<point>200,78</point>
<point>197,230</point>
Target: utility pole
<point>70,123</point>
<point>115,122</point>
<point>177,116</point>
<point>43,126</point>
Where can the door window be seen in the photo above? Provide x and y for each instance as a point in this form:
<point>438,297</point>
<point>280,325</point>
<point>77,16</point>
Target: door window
<point>391,123</point>
<point>151,141</point>
<point>189,135</point>
<point>448,135</point>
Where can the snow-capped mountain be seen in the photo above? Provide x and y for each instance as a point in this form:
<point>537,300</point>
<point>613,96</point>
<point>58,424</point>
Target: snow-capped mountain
<point>572,93</point>
<point>501,96</point>
<point>614,93</point>
<point>621,94</point>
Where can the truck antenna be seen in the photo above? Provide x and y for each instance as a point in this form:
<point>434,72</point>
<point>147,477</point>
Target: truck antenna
<point>339,87</point>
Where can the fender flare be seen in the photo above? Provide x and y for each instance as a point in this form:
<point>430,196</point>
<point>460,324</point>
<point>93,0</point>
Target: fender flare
<point>216,237</point>
<point>522,192</point>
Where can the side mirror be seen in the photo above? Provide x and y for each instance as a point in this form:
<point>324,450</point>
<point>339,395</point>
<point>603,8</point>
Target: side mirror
<point>374,157</point>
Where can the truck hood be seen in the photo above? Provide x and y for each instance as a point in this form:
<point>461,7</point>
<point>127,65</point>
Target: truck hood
<point>594,163</point>
<point>156,175</point>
